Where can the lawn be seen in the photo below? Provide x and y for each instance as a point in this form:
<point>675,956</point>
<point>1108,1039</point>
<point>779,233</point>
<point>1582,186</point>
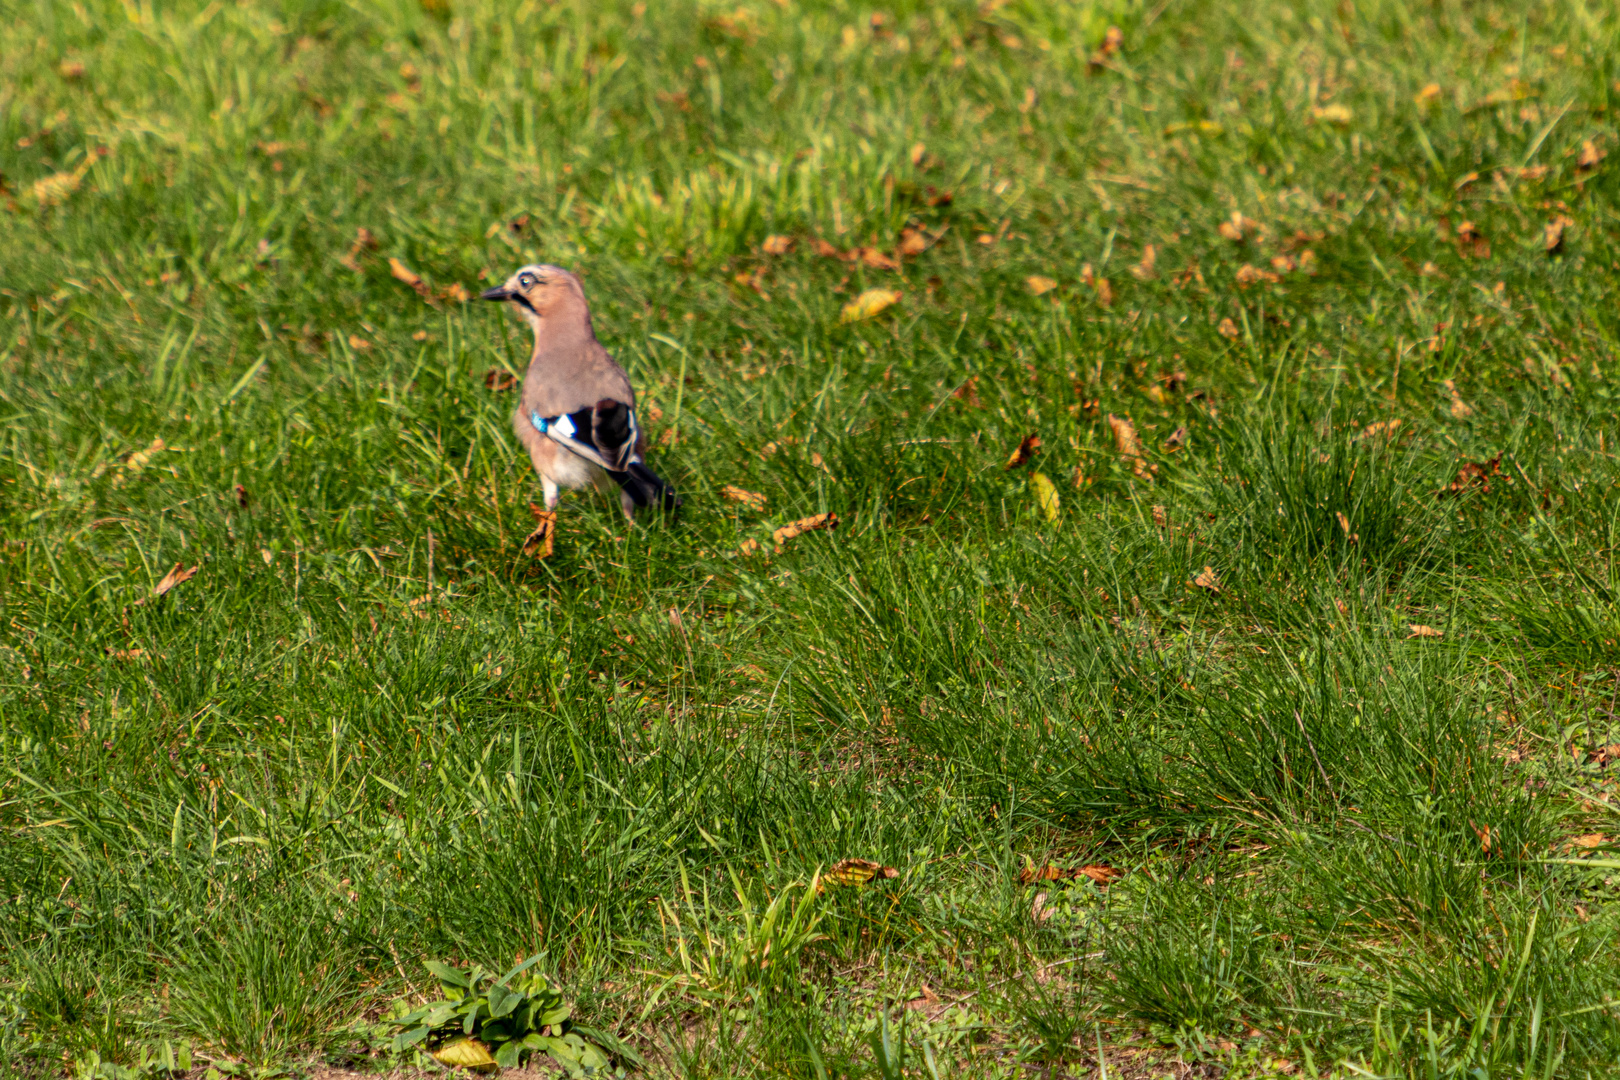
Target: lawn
<point>1216,652</point>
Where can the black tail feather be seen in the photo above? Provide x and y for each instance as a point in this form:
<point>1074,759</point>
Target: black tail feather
<point>645,487</point>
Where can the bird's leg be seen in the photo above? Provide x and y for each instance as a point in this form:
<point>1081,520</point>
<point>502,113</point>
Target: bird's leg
<point>628,505</point>
<point>550,492</point>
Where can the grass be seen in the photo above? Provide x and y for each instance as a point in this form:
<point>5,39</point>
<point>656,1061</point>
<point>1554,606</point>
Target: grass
<point>371,732</point>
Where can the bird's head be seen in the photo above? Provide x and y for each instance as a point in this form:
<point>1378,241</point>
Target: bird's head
<point>537,291</point>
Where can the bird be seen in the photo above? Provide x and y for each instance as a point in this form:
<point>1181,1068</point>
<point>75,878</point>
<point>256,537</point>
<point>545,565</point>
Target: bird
<point>576,415</point>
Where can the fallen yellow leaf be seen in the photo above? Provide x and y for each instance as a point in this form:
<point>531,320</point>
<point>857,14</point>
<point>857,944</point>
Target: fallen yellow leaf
<point>1045,494</point>
<point>776,244</point>
<point>1206,579</point>
<point>850,872</point>
<point>467,1053</point>
<point>1040,285</point>
<point>868,304</point>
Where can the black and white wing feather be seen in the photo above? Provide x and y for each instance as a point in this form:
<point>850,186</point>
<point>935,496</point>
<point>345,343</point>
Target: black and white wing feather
<point>606,434</point>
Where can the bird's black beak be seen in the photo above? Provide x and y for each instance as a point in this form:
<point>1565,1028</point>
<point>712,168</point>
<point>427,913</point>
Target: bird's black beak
<point>499,292</point>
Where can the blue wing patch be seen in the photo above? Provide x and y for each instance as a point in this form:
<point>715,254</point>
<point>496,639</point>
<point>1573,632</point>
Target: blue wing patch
<point>605,434</point>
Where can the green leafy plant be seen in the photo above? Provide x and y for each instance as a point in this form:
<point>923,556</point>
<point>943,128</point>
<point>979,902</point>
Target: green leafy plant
<point>158,1061</point>
<point>483,1022</point>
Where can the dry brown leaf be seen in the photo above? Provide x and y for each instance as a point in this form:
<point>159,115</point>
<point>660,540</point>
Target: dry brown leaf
<point>1603,754</point>
<point>969,392</point>
<point>1475,474</point>
<point>1344,522</point>
<point>1588,841</point>
<point>937,199</point>
<point>539,543</point>
<point>1124,432</point>
<point>777,244</point>
<point>1553,235</point>
<point>125,654</point>
<point>499,380</point>
<point>1100,873</point>
<point>358,343</point>
<point>177,576</point>
<point>748,547</point>
<point>1590,155</point>
<point>455,292</point>
<point>824,249</point>
<point>1206,579</point>
<point>1025,450</point>
<point>241,494</point>
<point>1384,428</point>
<point>787,532</point>
<point>364,241</point>
<point>751,500</point>
<point>876,259</point>
<point>917,153</point>
<point>410,277</point>
<point>1038,911</point>
<point>1421,631</point>
<point>912,242</point>
<point>755,281</point>
<point>1460,409</point>
<point>1471,241</point>
<point>1247,275</point>
<point>1331,114</point>
<point>1228,329</point>
<point>1285,264</point>
<point>1040,285</point>
<point>1238,228</point>
<point>1128,445</point>
<point>1105,292</point>
<point>1428,95</point>
<point>1161,517</point>
<point>55,189</point>
<point>1113,40</point>
<point>852,872</point>
<point>1143,270</point>
<point>1177,439</point>
<point>70,69</point>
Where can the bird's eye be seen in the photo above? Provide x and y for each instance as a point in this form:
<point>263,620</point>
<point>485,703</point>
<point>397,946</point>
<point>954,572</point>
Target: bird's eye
<point>526,280</point>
